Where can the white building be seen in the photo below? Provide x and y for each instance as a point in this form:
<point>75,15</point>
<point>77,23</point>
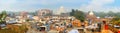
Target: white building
<point>60,10</point>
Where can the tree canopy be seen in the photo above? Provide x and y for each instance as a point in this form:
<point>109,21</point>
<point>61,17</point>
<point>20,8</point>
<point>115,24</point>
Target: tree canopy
<point>110,13</point>
<point>78,14</point>
<point>3,15</point>
<point>116,21</point>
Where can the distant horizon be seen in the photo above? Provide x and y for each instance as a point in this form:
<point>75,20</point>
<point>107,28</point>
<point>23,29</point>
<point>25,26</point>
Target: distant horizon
<point>56,11</point>
<point>84,5</point>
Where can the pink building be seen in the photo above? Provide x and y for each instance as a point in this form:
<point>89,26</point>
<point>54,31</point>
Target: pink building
<point>23,14</point>
<point>43,12</point>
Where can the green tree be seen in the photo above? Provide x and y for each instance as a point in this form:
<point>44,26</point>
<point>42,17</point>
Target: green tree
<point>72,13</point>
<point>110,13</point>
<point>78,14</point>
<point>3,15</point>
<point>102,14</point>
<point>116,21</point>
<point>117,14</point>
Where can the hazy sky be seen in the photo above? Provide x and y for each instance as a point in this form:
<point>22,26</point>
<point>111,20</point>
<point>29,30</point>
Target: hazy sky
<point>84,5</point>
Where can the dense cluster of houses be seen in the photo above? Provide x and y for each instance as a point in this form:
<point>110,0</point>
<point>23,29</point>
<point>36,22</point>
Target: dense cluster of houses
<point>45,20</point>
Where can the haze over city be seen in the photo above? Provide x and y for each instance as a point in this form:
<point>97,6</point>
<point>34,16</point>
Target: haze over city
<point>59,16</point>
<point>84,5</point>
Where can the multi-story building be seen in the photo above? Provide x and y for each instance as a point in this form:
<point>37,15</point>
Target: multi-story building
<point>23,14</point>
<point>44,12</point>
<point>11,14</point>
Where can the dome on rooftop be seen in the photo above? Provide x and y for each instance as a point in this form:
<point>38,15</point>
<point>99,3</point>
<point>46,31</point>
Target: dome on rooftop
<point>91,13</point>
